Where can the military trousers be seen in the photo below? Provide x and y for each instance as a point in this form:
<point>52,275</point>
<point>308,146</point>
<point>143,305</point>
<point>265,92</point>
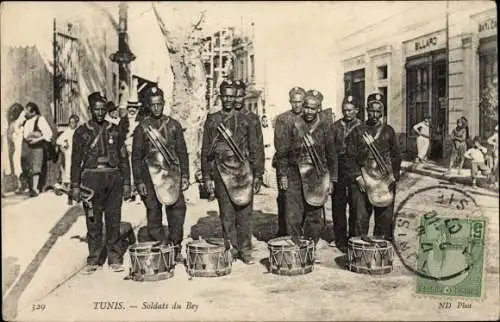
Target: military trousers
<point>363,210</point>
<point>107,203</point>
<point>236,220</point>
<point>340,198</point>
<point>280,200</point>
<point>176,215</point>
<point>302,219</point>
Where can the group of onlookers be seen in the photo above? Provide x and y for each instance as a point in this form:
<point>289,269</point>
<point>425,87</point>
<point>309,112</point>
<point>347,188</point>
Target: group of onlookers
<point>483,156</point>
<point>28,145</point>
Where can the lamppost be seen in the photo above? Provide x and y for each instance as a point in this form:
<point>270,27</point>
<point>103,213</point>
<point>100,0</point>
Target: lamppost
<point>123,56</point>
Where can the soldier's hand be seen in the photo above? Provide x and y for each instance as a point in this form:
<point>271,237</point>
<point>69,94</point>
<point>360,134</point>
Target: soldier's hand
<point>210,187</point>
<point>185,183</point>
<point>141,189</point>
<point>76,194</point>
<point>127,192</point>
<point>257,183</point>
<point>361,183</point>
<point>331,188</point>
<point>283,183</point>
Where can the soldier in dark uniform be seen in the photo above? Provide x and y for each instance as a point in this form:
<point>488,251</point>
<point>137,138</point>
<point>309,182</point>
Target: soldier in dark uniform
<point>387,144</point>
<point>341,130</point>
<point>282,129</point>
<point>239,106</point>
<point>307,184</point>
<point>232,165</point>
<point>99,161</point>
<point>168,192</point>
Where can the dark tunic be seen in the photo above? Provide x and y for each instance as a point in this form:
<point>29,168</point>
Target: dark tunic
<point>173,137</point>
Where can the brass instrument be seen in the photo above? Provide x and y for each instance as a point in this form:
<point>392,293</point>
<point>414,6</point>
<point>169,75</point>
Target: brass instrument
<point>166,179</point>
<point>378,177</point>
<point>87,196</point>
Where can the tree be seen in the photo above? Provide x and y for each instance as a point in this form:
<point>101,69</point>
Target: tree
<point>183,41</point>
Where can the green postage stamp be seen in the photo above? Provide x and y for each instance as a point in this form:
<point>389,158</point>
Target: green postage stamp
<point>440,235</point>
<point>451,254</point>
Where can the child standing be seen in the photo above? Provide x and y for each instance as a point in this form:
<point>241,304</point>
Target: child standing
<point>476,154</point>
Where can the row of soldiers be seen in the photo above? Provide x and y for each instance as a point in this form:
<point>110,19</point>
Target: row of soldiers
<point>341,149</point>
<point>313,159</point>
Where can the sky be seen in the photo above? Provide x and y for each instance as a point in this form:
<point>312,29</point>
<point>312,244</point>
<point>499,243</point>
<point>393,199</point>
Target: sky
<point>296,42</point>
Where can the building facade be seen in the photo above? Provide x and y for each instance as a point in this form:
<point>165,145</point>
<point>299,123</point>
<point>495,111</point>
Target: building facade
<point>434,58</point>
<point>227,55</point>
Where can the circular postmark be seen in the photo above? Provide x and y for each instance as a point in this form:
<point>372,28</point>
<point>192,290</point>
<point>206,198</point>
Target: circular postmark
<point>439,234</point>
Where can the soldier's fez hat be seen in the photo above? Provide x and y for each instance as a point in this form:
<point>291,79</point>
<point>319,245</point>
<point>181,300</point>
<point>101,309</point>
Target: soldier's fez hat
<point>349,99</point>
<point>297,91</point>
<point>97,97</point>
<point>375,99</point>
<point>152,91</point>
<point>226,84</point>
<point>314,96</point>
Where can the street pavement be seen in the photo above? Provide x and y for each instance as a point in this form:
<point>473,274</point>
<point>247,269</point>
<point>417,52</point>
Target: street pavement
<point>251,293</point>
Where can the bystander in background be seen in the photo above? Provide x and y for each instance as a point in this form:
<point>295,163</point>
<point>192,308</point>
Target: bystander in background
<point>37,133</point>
<point>423,132</point>
<point>65,143</point>
<point>459,137</point>
<point>478,161</point>
<point>493,142</point>
<point>16,119</point>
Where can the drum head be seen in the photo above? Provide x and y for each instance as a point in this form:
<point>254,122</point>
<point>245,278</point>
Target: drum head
<point>142,247</point>
<point>368,241</point>
<point>287,241</point>
<point>216,241</point>
<point>202,244</point>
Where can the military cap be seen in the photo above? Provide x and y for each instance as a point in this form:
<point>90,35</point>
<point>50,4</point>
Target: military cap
<point>375,98</point>
<point>110,106</point>
<point>349,99</point>
<point>297,91</point>
<point>226,84</point>
<point>97,97</point>
<point>153,91</point>
<point>240,85</point>
<point>314,95</point>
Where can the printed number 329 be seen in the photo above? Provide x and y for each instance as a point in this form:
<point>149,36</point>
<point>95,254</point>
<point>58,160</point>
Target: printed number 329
<point>38,307</point>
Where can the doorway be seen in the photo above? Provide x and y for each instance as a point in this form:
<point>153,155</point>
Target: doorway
<point>426,95</point>
<point>354,84</point>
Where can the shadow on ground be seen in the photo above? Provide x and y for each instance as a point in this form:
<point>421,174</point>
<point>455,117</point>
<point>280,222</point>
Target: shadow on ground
<point>58,230</point>
<point>10,272</point>
<point>207,227</point>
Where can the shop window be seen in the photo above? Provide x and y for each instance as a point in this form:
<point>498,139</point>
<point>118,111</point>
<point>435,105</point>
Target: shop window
<point>382,72</point>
